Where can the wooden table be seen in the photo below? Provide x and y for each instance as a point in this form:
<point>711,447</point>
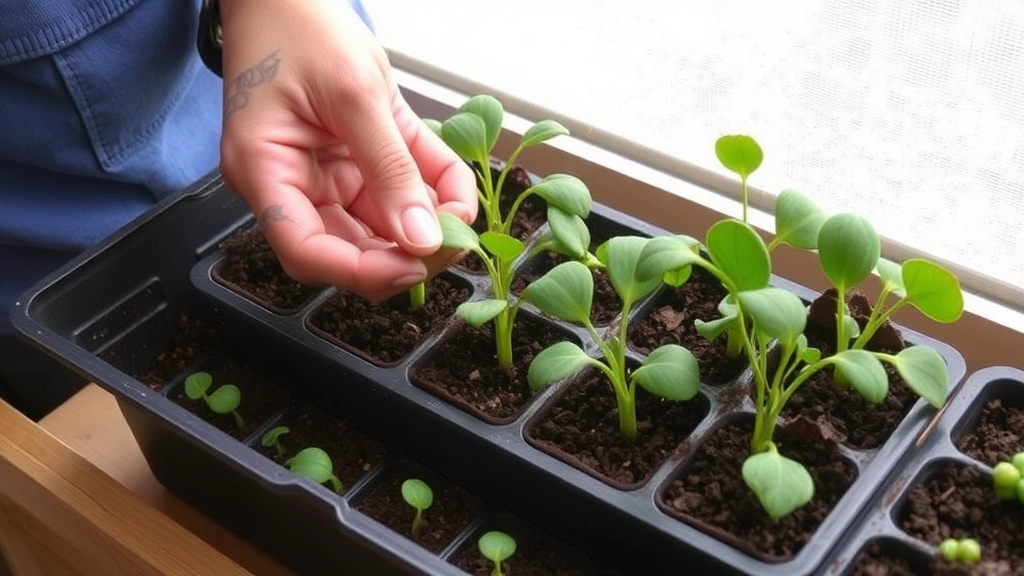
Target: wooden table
<point>77,497</point>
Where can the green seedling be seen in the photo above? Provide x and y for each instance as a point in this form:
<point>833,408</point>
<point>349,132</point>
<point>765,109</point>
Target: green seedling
<point>472,133</point>
<point>224,400</point>
<point>757,316</point>
<point>418,296</point>
<point>1008,478</point>
<point>965,551</point>
<point>417,494</point>
<point>315,464</point>
<point>497,547</point>
<point>272,438</point>
<point>566,292</point>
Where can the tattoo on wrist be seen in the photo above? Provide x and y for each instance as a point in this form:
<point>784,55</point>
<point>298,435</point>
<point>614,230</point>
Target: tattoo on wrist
<point>273,214</point>
<point>250,78</point>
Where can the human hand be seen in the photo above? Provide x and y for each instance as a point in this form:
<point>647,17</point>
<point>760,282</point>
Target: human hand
<point>343,176</point>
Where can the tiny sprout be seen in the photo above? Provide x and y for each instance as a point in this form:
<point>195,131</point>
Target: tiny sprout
<point>273,439</point>
<point>315,464</point>
<point>417,494</point>
<point>965,551</point>
<point>224,400</point>
<point>497,547</point>
<point>1008,478</point>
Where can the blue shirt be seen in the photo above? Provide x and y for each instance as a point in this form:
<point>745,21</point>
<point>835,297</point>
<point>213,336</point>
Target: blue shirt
<point>105,108</point>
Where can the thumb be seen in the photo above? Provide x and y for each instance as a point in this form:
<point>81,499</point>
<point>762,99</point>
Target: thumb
<point>399,204</point>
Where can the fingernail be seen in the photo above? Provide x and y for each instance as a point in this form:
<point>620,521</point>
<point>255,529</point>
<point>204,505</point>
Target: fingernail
<point>421,227</point>
<point>408,280</point>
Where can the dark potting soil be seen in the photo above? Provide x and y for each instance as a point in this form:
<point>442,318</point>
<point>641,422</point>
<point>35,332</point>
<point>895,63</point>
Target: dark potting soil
<point>251,268</point>
<point>670,320</point>
<point>386,333</point>
<point>464,371</point>
<point>353,453</point>
<point>452,511</point>
<point>709,491</point>
<point>261,398</point>
<point>582,429</point>
<point>879,559</point>
<point>537,554</point>
<point>998,434</point>
<point>957,501</point>
<point>851,419</point>
<point>195,336</point>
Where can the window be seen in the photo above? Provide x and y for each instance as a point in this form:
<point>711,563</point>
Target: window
<point>909,113</point>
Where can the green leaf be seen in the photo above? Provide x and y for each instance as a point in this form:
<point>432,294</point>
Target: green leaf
<point>797,220</point>
<point>558,361</point>
<point>777,313</point>
<point>925,372</point>
<point>565,192</point>
<point>862,370</point>
<point>848,249</point>
<point>497,546</point>
<point>502,245</point>
<point>197,383</point>
<point>621,256</point>
<point>457,234</point>
<point>781,485</point>
<point>273,436</point>
<point>664,254</point>
<point>490,112</point>
<point>225,399</point>
<point>466,134</point>
<point>434,125</point>
<point>313,463</point>
<point>739,153</point>
<point>670,372</point>
<point>417,494</point>
<point>713,328</point>
<point>891,275</point>
<point>933,290</point>
<point>566,291</point>
<point>570,232</point>
<point>807,354</point>
<point>541,132</point>
<point>739,252</point>
<point>480,312</point>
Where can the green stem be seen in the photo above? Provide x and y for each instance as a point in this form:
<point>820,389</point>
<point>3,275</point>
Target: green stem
<point>417,524</point>
<point>239,421</point>
<point>874,323</point>
<point>626,404</point>
<point>418,296</point>
<point>842,341</point>
<point>503,338</point>
<point>336,483</point>
<point>743,184</point>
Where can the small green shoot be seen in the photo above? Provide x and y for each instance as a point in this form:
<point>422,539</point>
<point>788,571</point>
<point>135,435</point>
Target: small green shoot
<point>740,154</point>
<point>1008,478</point>
<point>315,464</point>
<point>472,133</point>
<point>224,400</point>
<point>417,494</point>
<point>418,296</point>
<point>566,292</point>
<point>497,547</point>
<point>757,316</point>
<point>272,438</point>
<point>966,551</point>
